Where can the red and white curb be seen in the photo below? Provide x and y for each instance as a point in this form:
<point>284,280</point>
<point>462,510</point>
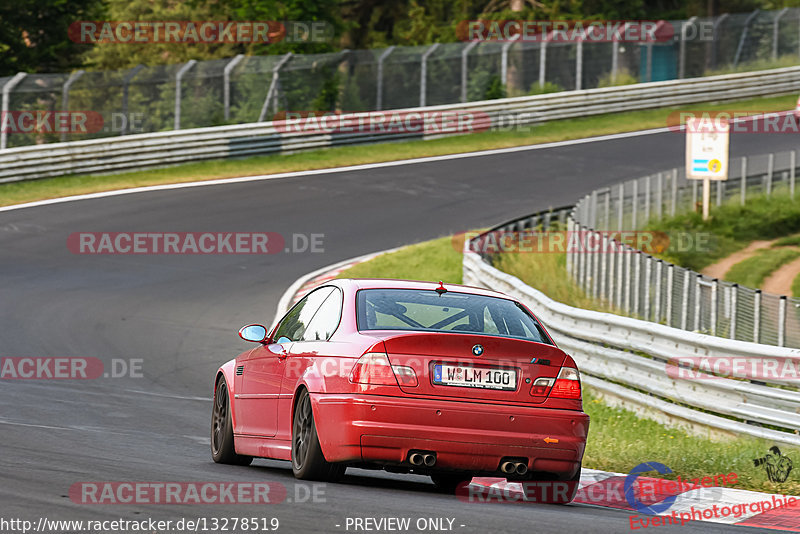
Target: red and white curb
<point>604,488</point>
<point>713,504</point>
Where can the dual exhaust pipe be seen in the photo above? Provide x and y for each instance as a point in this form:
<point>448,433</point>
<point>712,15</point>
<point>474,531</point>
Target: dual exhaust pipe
<point>418,458</point>
<point>510,467</point>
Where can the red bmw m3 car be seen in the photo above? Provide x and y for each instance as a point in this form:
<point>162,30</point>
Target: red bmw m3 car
<point>443,380</point>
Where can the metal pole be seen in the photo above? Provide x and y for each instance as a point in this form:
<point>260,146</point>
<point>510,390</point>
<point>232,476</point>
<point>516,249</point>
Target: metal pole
<point>7,88</point>
<point>226,84</point>
<point>792,161</point>
<point>621,207</point>
<point>379,95</point>
<point>647,273</point>
<point>612,254</point>
<point>637,277</point>
<point>685,301</point>
<point>660,196</point>
<point>271,92</point>
<point>697,280</point>
<point>579,63</point>
<point>674,201</point>
<point>126,81</point>
<point>620,281</point>
<point>734,293</point>
<point>649,56</point>
<point>628,254</point>
<point>770,168</point>
<point>743,191</point>
<point>464,65</point>
<point>647,199</point>
<point>775,26</point>
<point>569,249</point>
<point>757,316</point>
<point>543,61</point>
<point>657,295</point>
<point>607,209</point>
<point>720,189</point>
<point>65,95</point>
<point>423,74</point>
<point>743,37</point>
<point>615,52</point>
<point>714,289</point>
<point>782,321</point>
<point>669,291</point>
<point>682,59</point>
<point>178,77</point>
<point>635,199</point>
<point>504,59</point>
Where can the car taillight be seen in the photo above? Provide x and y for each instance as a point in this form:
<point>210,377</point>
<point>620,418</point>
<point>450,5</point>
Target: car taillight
<point>374,368</point>
<point>567,385</point>
<point>541,386</point>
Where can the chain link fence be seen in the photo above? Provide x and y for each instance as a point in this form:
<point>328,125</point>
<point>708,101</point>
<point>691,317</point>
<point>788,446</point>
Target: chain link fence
<point>608,263</point>
<point>254,89</point>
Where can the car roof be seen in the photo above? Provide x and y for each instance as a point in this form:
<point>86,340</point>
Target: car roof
<point>390,283</point>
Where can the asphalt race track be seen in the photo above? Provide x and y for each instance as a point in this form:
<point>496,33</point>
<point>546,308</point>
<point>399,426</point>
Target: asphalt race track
<point>179,315</point>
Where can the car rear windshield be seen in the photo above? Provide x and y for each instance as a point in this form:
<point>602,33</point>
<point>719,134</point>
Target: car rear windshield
<point>427,311</point>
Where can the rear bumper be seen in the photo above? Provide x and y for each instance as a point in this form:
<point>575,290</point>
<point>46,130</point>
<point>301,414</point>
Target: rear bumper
<point>465,435</point>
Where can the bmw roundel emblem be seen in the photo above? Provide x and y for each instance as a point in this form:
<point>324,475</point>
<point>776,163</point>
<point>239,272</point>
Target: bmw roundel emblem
<point>477,350</point>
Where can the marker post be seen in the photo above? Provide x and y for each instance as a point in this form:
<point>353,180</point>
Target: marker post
<point>707,143</point>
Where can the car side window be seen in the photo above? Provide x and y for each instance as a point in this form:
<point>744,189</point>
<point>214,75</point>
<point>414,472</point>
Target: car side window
<point>325,321</point>
<point>294,323</point>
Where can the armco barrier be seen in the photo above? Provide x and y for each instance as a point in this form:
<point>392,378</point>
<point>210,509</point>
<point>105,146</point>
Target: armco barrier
<point>133,152</point>
<point>626,358</point>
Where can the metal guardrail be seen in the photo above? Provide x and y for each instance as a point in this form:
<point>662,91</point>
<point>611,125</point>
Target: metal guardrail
<point>134,152</point>
<point>627,359</point>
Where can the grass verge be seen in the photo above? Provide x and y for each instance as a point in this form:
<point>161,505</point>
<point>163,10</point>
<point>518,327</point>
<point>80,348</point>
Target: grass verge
<point>618,439</point>
<point>28,191</point>
<point>754,270</point>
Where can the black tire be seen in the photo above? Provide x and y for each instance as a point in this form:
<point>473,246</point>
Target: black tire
<point>308,462</point>
<point>223,450</point>
<point>448,483</point>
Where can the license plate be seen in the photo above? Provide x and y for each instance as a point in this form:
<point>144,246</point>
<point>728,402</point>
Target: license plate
<point>474,377</point>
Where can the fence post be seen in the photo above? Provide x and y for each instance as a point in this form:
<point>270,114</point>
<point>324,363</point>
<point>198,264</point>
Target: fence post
<point>7,88</point>
<point>685,302</point>
<point>579,255</point>
<point>657,292</point>
<point>65,94</point>
<point>674,203</point>
<point>226,84</point>
<point>648,76</point>
<point>379,90</point>
<point>178,78</point>
<point>694,195</point>
<point>792,160</point>
<point>593,210</point>
<point>669,292</point>
<point>775,26</point>
<point>714,289</point>
<point>739,48</point>
<point>607,210</point>
<point>579,63</point>
<point>757,316</point>
<point>596,264</point>
<point>734,294</point>
<point>273,86</point>
<point>543,61</point>
<point>647,279</point>
<point>612,257</point>
<point>637,278</point>
<point>682,59</point>
<point>569,249</point>
<point>647,199</point>
<point>782,321</point>
<point>627,279</point>
<point>603,267</point>
<point>743,191</point>
<point>770,169</point>
<point>126,81</point>
<point>464,66</point>
<point>635,198</point>
<point>697,290</point>
<point>423,73</point>
<point>621,207</point>
<point>720,191</point>
<point>660,196</point>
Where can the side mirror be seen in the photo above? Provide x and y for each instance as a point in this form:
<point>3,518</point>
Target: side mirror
<point>253,332</point>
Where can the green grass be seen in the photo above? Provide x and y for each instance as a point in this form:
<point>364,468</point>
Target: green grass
<point>618,439</point>
<point>788,241</point>
<point>796,286</point>
<point>732,226</point>
<point>754,270</point>
<point>27,191</point>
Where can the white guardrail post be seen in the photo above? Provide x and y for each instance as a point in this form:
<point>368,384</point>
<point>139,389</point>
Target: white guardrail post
<point>7,88</point>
